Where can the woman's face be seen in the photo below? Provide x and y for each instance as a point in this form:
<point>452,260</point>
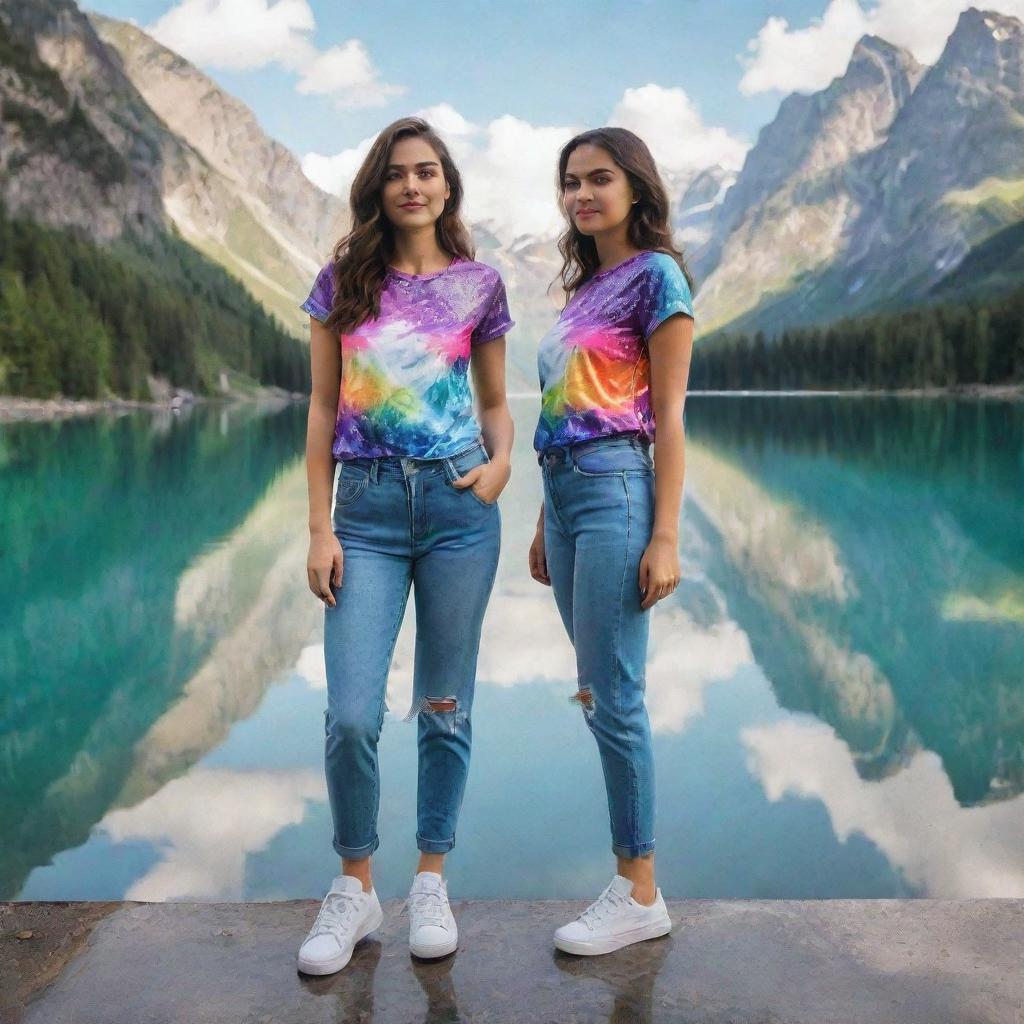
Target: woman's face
<point>596,193</point>
<point>415,189</point>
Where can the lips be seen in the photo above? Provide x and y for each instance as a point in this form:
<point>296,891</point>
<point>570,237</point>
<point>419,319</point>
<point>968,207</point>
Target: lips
<point>585,213</point>
<point>412,206</point>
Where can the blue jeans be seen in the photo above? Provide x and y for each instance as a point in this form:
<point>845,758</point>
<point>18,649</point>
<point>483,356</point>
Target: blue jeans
<point>598,519</point>
<point>401,523</point>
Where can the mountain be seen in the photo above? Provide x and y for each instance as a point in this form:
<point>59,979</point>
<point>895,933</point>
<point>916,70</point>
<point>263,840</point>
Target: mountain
<point>99,294</point>
<point>867,195</point>
<point>694,217</point>
<point>785,215</point>
<point>64,160</point>
<point>249,207</point>
<point>157,147</point>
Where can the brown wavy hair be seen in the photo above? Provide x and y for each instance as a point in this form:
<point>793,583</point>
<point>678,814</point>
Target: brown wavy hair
<point>361,258</point>
<point>649,218</point>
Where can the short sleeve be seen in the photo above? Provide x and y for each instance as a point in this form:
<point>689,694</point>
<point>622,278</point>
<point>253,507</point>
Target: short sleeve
<point>496,319</point>
<point>321,296</point>
<point>664,292</point>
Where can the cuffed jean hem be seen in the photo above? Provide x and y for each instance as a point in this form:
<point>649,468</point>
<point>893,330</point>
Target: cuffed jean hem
<point>355,852</point>
<point>434,845</point>
<point>633,851</point>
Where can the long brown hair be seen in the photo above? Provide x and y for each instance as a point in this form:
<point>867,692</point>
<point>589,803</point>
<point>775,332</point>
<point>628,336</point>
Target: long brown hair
<point>361,258</point>
<point>649,217</point>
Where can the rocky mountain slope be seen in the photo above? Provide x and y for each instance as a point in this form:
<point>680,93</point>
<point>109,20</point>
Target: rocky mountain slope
<point>157,147</point>
<point>251,208</point>
<point>869,193</point>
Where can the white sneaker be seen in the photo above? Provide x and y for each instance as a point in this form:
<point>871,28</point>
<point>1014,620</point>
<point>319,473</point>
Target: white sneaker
<point>347,915</point>
<point>614,920</point>
<point>432,929</point>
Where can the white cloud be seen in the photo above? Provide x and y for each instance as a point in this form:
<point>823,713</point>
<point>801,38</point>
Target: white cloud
<point>670,123</point>
<point>912,816</point>
<point>206,823</point>
<point>347,73</point>
<point>311,667</point>
<point>237,35</point>
<point>334,174</point>
<point>509,164</point>
<point>511,178</point>
<point>786,59</point>
<point>242,35</point>
<point>452,126</point>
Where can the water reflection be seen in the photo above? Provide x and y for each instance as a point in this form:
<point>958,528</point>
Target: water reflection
<point>629,974</point>
<point>872,551</point>
<point>835,689</point>
<point>102,518</point>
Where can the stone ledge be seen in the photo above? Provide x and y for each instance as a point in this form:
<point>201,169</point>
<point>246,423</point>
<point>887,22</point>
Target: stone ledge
<point>726,962</point>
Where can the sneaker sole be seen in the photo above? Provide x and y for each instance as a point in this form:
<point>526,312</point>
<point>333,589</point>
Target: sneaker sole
<point>335,965</point>
<point>436,951</point>
<point>612,943</point>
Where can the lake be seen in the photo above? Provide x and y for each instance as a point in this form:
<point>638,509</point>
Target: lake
<point>836,688</point>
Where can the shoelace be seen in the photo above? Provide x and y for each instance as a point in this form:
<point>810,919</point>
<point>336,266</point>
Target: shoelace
<point>428,906</point>
<point>607,902</point>
<point>336,909</point>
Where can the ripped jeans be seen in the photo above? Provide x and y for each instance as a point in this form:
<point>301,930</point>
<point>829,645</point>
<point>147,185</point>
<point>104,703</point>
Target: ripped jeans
<point>598,518</point>
<point>401,523</point>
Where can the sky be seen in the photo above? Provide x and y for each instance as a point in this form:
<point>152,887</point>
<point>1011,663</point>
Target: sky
<point>507,83</point>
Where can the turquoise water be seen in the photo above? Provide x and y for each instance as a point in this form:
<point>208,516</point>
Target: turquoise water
<point>836,689</point>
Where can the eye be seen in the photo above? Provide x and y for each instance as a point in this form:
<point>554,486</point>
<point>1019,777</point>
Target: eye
<point>426,173</point>
<point>568,185</point>
<point>602,179</point>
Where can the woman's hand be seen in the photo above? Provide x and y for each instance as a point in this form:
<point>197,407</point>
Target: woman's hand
<point>538,556</point>
<point>324,565</point>
<point>488,479</point>
<point>659,571</point>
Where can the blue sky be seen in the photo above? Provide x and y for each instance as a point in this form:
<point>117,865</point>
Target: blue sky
<point>508,82</point>
<point>548,63</point>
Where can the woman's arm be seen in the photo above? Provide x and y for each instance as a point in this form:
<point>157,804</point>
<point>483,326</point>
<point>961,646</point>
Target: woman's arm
<point>670,347</point>
<point>325,557</point>
<point>487,364</point>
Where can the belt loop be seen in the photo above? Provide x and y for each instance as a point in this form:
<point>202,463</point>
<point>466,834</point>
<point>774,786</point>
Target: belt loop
<point>374,470</point>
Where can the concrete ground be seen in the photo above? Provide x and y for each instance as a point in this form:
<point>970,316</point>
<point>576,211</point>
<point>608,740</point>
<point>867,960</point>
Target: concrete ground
<point>726,962</point>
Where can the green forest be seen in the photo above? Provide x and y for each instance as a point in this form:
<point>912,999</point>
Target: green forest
<point>85,321</point>
<point>980,341</point>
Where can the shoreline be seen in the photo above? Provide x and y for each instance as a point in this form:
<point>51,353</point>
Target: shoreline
<point>995,391</point>
<point>16,409</point>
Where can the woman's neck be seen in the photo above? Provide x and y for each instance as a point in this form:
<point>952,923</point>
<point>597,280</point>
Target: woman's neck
<point>613,247</point>
<point>419,253</point>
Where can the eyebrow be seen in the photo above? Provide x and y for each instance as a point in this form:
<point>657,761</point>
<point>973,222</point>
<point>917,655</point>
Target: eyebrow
<point>422,163</point>
<point>598,170</point>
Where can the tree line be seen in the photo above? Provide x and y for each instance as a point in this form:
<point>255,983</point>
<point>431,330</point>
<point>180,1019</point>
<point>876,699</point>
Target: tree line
<point>975,342</point>
<point>86,321</point>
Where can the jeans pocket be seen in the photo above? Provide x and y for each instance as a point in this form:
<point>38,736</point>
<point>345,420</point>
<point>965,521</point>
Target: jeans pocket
<point>610,460</point>
<point>486,504</point>
<point>352,482</point>
<point>462,464</point>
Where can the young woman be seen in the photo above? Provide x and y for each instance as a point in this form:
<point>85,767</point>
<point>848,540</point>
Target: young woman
<point>614,364</point>
<point>397,318</point>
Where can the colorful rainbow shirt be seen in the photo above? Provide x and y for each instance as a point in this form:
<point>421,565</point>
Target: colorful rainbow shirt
<point>404,380</point>
<point>594,364</point>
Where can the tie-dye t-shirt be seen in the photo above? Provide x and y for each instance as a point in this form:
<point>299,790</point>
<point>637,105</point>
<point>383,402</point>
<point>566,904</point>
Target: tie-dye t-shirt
<point>594,364</point>
<point>404,375</point>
